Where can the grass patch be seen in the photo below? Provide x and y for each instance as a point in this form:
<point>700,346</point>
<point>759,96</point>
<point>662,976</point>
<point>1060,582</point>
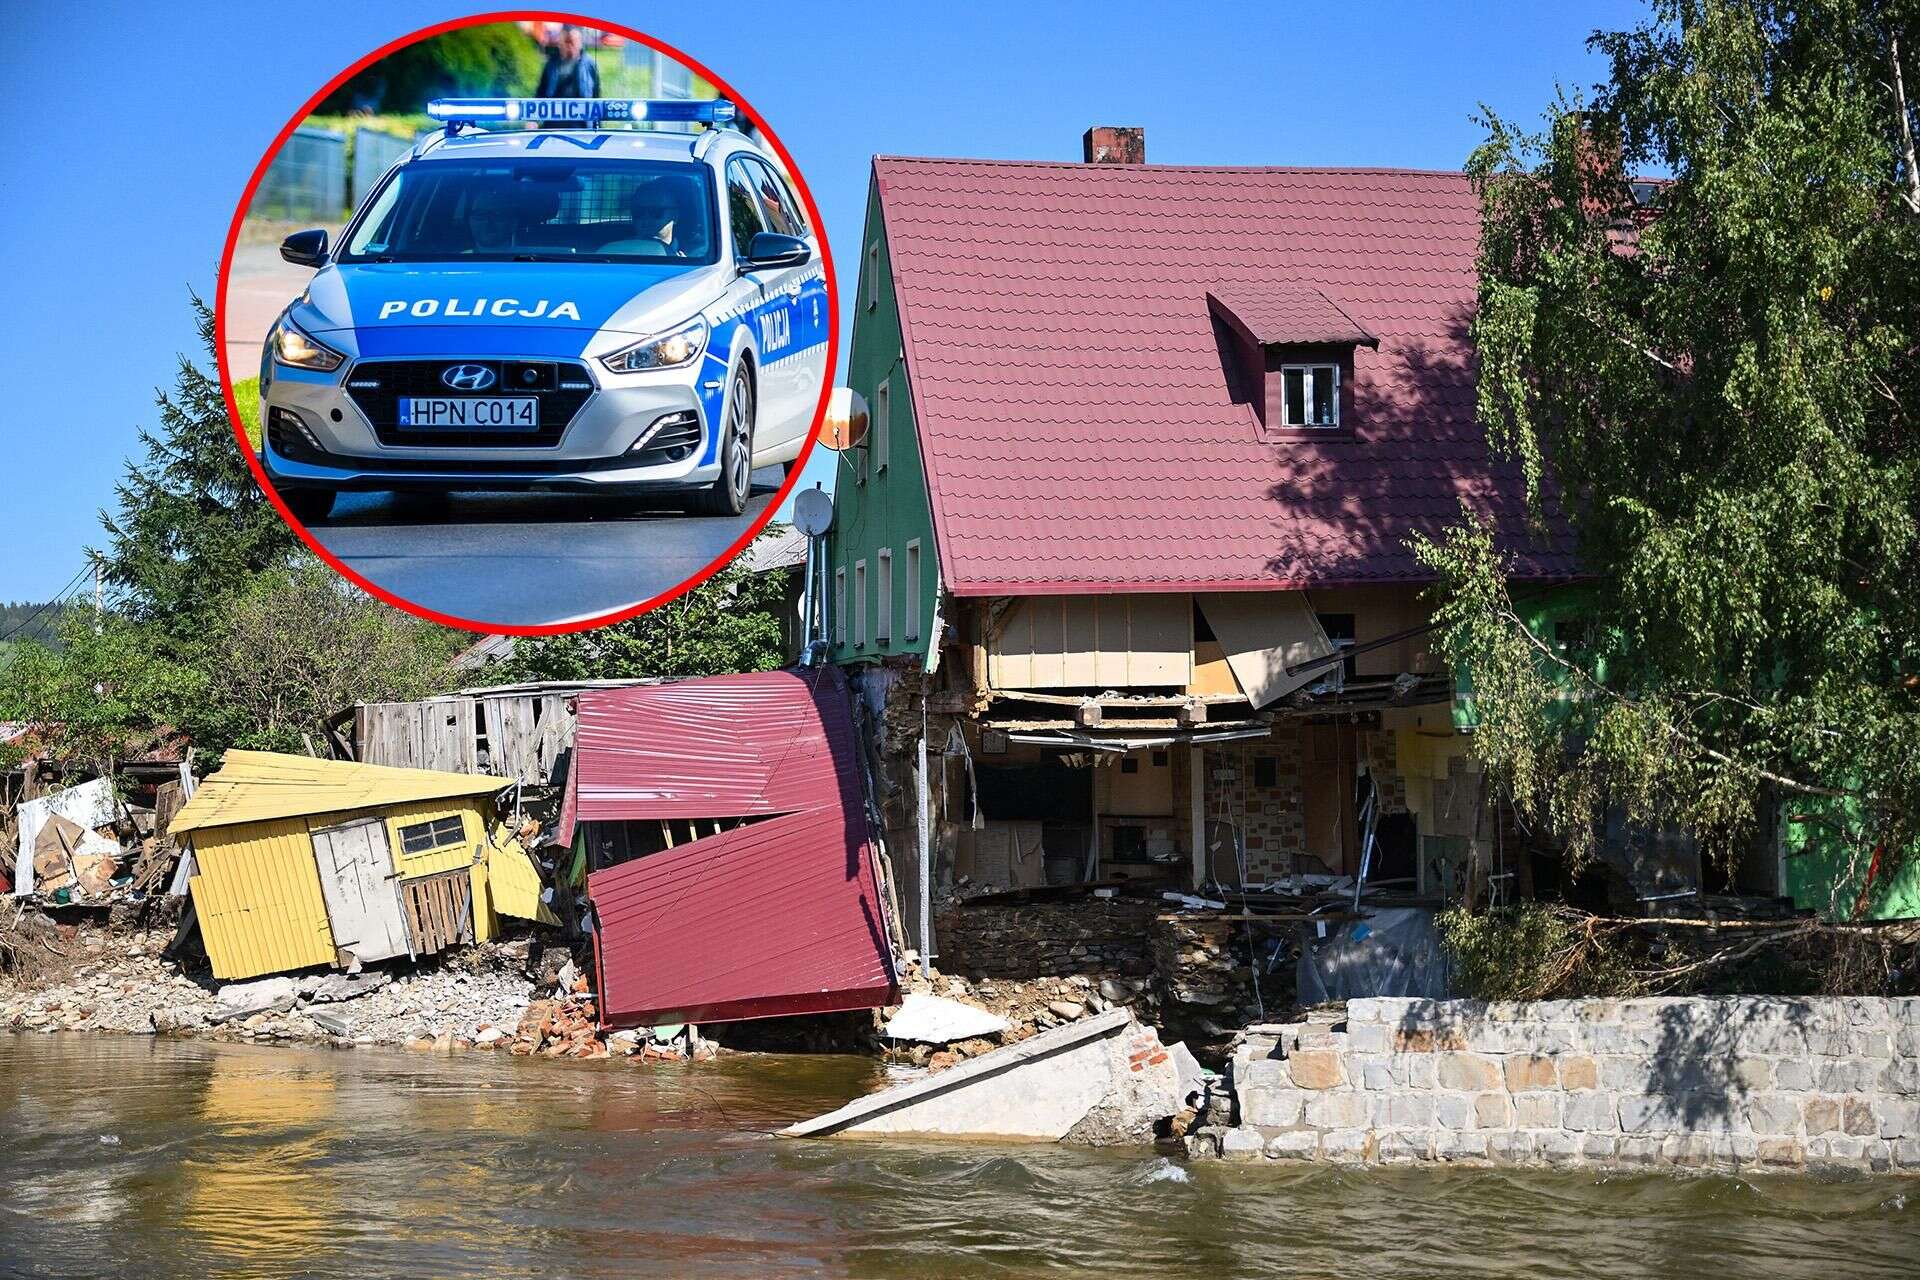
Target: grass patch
<point>246,394</point>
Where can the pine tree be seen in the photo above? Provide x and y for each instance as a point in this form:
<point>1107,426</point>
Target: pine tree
<point>191,526</point>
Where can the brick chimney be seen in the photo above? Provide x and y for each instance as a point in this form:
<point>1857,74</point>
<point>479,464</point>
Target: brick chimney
<point>1114,144</point>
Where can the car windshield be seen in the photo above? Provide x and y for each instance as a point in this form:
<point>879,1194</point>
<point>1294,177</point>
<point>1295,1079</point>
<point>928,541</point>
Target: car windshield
<point>539,210</point>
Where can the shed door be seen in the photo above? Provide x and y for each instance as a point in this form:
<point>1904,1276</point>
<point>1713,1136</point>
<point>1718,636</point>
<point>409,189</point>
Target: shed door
<point>356,879</point>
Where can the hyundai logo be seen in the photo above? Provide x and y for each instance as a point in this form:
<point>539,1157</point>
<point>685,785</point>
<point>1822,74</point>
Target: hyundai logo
<point>467,377</point>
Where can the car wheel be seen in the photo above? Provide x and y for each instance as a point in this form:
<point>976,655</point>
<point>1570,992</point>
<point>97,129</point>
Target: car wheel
<point>727,496</point>
<point>309,505</point>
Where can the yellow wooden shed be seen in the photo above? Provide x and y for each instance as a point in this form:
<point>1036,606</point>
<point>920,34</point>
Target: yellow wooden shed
<point>301,862</point>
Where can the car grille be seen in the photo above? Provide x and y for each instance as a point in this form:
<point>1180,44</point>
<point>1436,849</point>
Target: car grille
<point>559,386</point>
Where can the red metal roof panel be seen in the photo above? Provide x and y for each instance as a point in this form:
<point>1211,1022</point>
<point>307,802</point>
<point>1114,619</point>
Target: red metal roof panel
<point>1077,426</point>
<point>781,915</point>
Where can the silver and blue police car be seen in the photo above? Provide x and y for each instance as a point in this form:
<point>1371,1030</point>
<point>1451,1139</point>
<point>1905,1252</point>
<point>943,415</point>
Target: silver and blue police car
<point>571,307</point>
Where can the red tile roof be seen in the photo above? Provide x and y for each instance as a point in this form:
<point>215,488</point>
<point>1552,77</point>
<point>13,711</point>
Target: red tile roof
<point>1285,313</point>
<point>777,916</point>
<point>1075,417</point>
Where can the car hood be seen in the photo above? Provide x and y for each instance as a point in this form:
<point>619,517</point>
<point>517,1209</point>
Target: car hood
<point>500,308</point>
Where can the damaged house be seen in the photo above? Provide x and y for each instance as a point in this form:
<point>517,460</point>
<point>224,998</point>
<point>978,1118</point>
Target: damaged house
<point>1120,566</point>
<point>296,862</point>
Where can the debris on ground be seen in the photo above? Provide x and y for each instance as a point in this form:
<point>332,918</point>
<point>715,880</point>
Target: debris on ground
<point>933,1019</point>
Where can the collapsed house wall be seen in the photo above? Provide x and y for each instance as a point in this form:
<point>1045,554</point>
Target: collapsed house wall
<point>1694,1083</point>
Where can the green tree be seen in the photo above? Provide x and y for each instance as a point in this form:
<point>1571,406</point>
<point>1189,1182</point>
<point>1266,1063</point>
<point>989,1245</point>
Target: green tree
<point>299,644</point>
<point>190,527</point>
<point>731,622</point>
<point>102,692</point>
<point>1719,393</point>
<point>494,59</point>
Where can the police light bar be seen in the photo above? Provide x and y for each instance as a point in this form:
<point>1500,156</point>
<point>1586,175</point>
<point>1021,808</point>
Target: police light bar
<point>583,111</point>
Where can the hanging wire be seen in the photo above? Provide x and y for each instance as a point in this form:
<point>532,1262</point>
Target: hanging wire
<point>60,598</point>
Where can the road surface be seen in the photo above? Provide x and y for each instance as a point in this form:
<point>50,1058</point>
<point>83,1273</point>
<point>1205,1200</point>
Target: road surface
<point>528,559</point>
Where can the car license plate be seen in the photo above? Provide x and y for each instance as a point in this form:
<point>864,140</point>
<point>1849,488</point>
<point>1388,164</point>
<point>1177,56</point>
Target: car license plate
<point>470,413</point>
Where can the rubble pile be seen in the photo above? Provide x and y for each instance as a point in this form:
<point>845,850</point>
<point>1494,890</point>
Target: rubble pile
<point>1028,1007</point>
<point>1098,937</point>
<point>1199,963</point>
<point>121,984</point>
<point>568,1027</point>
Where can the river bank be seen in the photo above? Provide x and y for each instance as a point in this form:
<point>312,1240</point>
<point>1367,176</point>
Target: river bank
<point>119,981</point>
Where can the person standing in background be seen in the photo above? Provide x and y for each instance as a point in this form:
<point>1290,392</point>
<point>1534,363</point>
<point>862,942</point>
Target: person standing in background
<point>569,72</point>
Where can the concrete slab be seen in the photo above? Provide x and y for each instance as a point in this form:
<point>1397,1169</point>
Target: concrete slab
<point>1101,1079</point>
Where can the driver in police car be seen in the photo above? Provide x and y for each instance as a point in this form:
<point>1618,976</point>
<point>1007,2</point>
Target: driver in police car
<point>493,219</point>
<point>658,207</point>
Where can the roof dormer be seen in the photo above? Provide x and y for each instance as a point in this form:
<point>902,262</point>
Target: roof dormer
<point>1290,357</point>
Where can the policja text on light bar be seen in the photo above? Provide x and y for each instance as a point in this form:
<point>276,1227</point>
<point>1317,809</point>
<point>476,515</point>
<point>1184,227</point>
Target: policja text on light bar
<point>583,111</point>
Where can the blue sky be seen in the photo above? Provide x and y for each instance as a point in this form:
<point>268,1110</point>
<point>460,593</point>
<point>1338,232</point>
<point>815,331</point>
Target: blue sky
<point>107,220</point>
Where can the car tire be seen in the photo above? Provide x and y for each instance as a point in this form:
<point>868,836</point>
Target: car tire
<point>309,505</point>
<point>727,495</point>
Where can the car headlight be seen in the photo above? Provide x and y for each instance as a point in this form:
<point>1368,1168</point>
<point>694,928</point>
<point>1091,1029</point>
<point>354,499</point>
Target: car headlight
<point>292,346</point>
<point>665,351</point>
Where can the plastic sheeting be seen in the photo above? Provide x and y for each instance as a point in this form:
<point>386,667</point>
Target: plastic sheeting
<point>89,805</point>
<point>1391,953</point>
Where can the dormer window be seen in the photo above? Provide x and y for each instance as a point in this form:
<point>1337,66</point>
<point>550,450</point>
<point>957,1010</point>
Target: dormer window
<point>1288,354</point>
<point>1310,395</point>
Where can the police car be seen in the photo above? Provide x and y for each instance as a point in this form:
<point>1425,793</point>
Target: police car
<point>570,307</point>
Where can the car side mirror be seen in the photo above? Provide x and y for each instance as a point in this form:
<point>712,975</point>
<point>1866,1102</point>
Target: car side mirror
<point>771,249</point>
<point>305,248</point>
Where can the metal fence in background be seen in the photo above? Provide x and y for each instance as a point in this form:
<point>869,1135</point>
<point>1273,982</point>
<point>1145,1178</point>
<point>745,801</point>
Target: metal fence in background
<point>307,180</point>
<point>373,153</point>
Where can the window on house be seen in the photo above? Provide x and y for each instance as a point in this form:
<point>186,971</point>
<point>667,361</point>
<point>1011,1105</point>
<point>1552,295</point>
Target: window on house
<point>859,603</point>
<point>1310,395</point>
<point>913,590</point>
<point>839,606</point>
<point>424,837</point>
<point>882,424</point>
<point>1339,629</point>
<point>883,606</point>
<point>873,275</point>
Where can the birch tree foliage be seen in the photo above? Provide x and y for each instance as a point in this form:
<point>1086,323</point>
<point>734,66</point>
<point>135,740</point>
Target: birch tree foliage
<point>1714,384</point>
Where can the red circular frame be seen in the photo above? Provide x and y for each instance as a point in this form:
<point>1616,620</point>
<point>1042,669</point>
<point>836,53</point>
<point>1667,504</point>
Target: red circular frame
<point>469,624</point>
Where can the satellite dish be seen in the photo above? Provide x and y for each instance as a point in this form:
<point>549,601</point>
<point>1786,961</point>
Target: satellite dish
<point>846,422</point>
<point>812,512</point>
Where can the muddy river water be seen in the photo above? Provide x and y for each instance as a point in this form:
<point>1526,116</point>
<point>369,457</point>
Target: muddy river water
<point>136,1157</point>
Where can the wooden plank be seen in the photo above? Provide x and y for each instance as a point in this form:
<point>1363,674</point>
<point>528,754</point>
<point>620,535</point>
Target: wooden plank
<point>1160,640</point>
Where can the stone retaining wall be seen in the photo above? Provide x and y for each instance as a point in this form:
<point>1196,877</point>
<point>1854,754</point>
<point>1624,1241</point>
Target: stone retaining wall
<point>1783,1084</point>
<point>1097,937</point>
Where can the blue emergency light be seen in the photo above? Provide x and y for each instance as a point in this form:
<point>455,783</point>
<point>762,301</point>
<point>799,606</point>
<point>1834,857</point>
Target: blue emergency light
<point>589,112</point>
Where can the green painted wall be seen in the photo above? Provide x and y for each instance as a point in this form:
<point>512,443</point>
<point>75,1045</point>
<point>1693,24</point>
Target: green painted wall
<point>1825,870</point>
<point>880,507</point>
<point>1541,611</point>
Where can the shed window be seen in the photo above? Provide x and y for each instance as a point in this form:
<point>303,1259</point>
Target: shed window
<point>1310,395</point>
<point>424,837</point>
